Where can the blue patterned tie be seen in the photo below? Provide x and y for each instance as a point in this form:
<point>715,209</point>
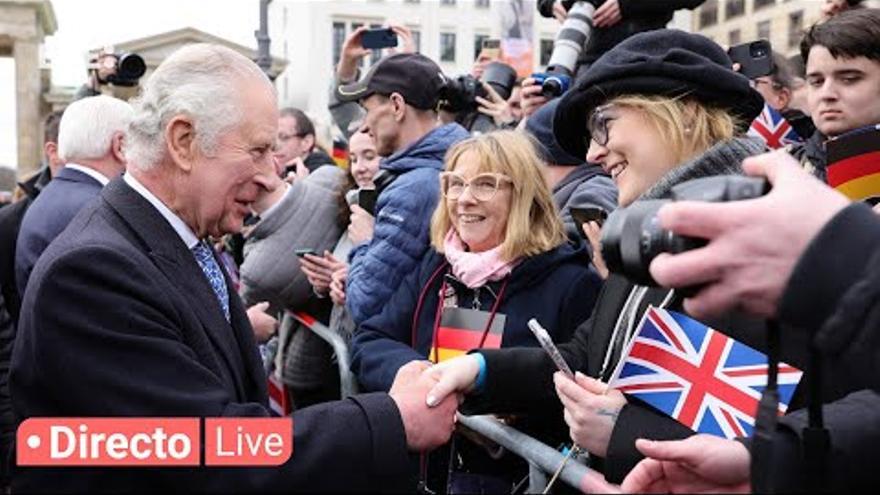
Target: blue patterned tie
<point>205,256</point>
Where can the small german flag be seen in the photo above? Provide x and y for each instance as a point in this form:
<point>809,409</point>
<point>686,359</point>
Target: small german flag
<point>462,330</point>
<point>340,153</point>
<point>854,164</point>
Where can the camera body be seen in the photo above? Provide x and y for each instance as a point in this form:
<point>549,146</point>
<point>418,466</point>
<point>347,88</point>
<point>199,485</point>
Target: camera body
<point>632,236</point>
<point>460,94</point>
<point>553,84</point>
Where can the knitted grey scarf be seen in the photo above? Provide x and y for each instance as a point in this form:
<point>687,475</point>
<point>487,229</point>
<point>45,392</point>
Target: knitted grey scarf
<point>722,159</point>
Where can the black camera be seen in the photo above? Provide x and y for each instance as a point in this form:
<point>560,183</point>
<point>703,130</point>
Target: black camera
<point>460,94</point>
<point>119,69</point>
<point>632,236</point>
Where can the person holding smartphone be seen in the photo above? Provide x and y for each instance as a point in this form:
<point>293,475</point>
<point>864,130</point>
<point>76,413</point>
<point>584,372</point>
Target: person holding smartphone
<point>344,113</point>
<point>651,126</point>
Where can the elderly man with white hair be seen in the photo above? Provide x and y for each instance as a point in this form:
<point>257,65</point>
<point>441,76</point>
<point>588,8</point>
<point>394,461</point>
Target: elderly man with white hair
<point>128,312</point>
<point>90,140</point>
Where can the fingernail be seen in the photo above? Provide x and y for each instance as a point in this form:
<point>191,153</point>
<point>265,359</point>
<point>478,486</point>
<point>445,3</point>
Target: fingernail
<point>432,401</point>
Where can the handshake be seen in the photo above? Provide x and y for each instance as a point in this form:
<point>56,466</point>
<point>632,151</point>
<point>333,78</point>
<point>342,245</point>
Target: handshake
<point>428,397</point>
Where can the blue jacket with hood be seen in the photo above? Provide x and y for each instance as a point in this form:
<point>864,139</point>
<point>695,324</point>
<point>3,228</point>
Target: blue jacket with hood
<point>557,287</point>
<point>403,218</point>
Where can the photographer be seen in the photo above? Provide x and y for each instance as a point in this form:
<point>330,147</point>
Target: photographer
<point>113,74</point>
<point>616,20</point>
<point>481,105</point>
<point>651,125</point>
<point>791,275</point>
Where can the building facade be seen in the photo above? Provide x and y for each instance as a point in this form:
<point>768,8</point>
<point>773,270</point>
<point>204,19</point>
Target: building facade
<point>309,35</point>
<point>782,22</point>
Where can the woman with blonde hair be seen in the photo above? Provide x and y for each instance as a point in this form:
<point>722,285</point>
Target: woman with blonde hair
<point>499,256</point>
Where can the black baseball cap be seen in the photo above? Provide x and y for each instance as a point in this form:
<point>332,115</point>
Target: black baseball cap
<point>414,76</point>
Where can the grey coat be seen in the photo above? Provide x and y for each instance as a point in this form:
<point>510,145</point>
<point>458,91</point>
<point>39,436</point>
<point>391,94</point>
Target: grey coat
<point>305,218</point>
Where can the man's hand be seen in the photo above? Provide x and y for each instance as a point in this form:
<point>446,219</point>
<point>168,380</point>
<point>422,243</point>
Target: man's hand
<point>426,428</point>
<point>559,11</point>
<point>591,410</point>
<point>495,106</point>
<point>699,464</point>
<point>607,15</point>
<point>299,172</point>
<point>531,96</point>
<point>337,285</point>
<point>405,41</point>
<point>360,228</point>
<point>319,270</point>
<point>452,376</point>
<point>351,55</point>
<point>753,245</point>
<point>263,324</point>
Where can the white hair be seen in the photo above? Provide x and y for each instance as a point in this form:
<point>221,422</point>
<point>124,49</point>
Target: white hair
<point>87,127</point>
<point>201,81</point>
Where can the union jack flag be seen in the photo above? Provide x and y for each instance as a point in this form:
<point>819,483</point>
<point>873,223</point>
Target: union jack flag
<point>772,128</point>
<point>700,377</point>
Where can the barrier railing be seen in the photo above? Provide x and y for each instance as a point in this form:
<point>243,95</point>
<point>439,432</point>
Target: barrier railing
<point>347,380</point>
<point>543,460</point>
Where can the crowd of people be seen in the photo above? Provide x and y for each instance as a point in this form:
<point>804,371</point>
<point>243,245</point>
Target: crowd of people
<point>154,266</point>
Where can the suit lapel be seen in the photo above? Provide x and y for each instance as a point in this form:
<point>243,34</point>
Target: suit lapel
<point>179,265</point>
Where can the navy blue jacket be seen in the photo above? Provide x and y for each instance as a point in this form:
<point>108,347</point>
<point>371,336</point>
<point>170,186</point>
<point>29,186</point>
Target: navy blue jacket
<point>557,287</point>
<point>49,214</point>
<point>403,217</point>
<point>119,320</point>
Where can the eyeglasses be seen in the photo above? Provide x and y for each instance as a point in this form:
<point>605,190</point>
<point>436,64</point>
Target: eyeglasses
<point>483,187</point>
<point>776,86</point>
<point>283,138</point>
<point>597,124</point>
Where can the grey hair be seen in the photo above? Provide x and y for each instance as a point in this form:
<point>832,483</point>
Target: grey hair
<point>88,125</point>
<point>202,81</point>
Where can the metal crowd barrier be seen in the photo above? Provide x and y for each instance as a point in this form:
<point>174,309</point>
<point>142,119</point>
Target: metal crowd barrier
<point>347,380</point>
<point>543,460</point>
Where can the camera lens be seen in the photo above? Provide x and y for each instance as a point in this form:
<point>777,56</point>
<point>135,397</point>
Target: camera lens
<point>758,50</point>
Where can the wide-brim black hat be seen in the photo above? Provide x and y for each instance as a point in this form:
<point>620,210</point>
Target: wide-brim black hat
<point>664,62</point>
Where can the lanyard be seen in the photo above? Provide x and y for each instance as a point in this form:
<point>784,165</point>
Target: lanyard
<point>439,313</point>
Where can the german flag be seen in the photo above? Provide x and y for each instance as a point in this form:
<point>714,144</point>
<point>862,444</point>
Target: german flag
<point>461,330</point>
<point>854,164</point>
<point>340,153</point>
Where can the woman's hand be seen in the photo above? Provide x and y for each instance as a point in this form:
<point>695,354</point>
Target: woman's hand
<point>455,375</point>
<point>594,234</point>
<point>319,269</point>
<point>495,106</point>
<point>337,285</point>
<point>361,227</point>
<point>591,410</point>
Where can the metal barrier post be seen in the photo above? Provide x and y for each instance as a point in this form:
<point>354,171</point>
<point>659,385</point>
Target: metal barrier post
<point>347,380</point>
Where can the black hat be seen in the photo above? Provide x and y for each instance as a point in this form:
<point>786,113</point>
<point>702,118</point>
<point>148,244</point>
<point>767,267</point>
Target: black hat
<point>662,62</point>
<point>414,76</point>
<point>540,126</point>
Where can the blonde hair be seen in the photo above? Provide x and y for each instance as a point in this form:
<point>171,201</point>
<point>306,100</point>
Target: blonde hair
<point>687,125</point>
<point>533,224</point>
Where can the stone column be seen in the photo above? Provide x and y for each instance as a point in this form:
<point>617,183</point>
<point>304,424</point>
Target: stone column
<point>27,93</point>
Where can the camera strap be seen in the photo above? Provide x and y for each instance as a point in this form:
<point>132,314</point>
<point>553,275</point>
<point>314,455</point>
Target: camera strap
<point>765,420</point>
<point>816,438</point>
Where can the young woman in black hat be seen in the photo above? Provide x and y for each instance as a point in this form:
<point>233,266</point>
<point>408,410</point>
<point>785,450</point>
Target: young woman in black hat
<point>659,109</point>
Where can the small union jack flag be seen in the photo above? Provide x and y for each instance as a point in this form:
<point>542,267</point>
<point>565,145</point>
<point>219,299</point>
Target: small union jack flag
<point>772,128</point>
<point>700,377</point>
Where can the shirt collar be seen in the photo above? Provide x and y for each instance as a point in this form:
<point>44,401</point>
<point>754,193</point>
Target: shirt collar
<point>98,176</point>
<point>186,234</point>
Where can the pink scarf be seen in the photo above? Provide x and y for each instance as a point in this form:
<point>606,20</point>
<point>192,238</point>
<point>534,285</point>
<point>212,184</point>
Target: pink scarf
<point>475,269</point>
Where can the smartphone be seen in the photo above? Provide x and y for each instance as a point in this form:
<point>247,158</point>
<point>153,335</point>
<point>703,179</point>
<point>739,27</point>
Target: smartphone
<point>305,251</point>
<point>366,199</point>
<point>379,38</point>
<point>591,214</point>
<point>755,58</point>
<point>490,50</point>
<point>548,345</point>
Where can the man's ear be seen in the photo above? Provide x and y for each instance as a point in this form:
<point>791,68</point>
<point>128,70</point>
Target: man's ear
<point>180,138</point>
<point>783,98</point>
<point>50,149</point>
<point>398,106</point>
<point>116,147</point>
<point>309,141</point>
